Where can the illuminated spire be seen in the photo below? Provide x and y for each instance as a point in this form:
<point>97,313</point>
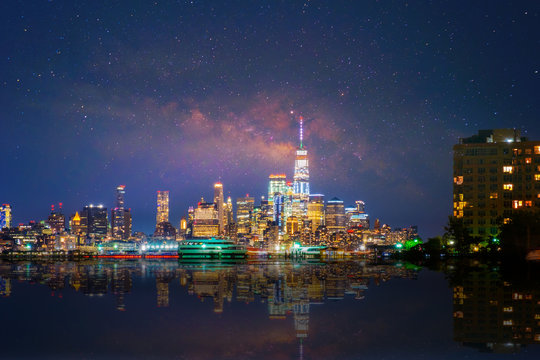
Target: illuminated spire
<point>301,132</point>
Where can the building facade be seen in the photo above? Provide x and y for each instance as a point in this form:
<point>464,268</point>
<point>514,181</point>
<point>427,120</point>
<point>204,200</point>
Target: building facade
<point>315,211</point>
<point>301,178</point>
<point>120,216</point>
<point>206,221</point>
<point>335,216</point>
<point>94,221</point>
<point>5,216</point>
<point>220,206</point>
<point>162,207</point>
<point>496,173</point>
<point>244,210</point>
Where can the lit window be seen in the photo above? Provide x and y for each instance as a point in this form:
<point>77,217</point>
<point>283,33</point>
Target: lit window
<point>493,196</point>
<point>508,309</point>
<point>528,160</point>
<point>507,169</point>
<point>458,180</point>
<point>517,204</point>
<point>508,187</point>
<point>537,337</point>
<point>537,177</point>
<point>537,150</point>
<point>528,203</point>
<point>506,221</point>
<point>508,322</point>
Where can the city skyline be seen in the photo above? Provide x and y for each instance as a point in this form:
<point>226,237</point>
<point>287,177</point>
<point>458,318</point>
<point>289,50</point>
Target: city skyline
<point>180,96</point>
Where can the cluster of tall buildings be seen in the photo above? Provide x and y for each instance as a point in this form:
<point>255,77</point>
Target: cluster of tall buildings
<point>288,213</point>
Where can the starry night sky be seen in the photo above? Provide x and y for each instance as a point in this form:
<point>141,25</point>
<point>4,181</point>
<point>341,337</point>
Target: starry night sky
<point>176,95</point>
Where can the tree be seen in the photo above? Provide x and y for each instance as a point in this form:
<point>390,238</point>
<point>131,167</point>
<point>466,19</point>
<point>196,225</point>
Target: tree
<point>521,233</point>
<point>457,231</point>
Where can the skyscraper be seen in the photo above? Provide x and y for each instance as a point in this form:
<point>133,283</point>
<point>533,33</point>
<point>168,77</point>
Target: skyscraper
<point>496,173</point>
<point>315,211</point>
<point>205,222</point>
<point>357,217</point>
<point>57,220</point>
<point>244,210</point>
<point>218,202</point>
<point>5,216</point>
<point>335,215</point>
<point>301,178</point>
<point>94,221</point>
<point>277,183</point>
<point>75,225</point>
<point>121,217</point>
<point>162,207</point>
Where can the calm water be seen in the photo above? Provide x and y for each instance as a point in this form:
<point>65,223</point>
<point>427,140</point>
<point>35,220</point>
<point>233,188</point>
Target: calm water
<point>281,310</point>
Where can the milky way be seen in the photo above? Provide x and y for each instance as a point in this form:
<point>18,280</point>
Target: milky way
<point>178,95</point>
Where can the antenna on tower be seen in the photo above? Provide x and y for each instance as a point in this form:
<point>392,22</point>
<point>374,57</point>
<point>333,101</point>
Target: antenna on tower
<point>301,132</point>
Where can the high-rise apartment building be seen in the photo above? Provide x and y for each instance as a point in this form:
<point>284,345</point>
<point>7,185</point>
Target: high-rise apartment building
<point>496,172</point>
<point>244,211</point>
<point>219,204</point>
<point>301,178</point>
<point>335,216</point>
<point>162,207</point>
<point>5,216</point>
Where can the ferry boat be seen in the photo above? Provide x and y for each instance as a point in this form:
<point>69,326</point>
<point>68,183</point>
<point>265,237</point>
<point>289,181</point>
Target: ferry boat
<point>211,249</point>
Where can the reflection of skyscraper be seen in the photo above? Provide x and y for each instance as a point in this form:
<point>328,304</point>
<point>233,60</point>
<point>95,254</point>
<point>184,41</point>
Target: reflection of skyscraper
<point>5,287</point>
<point>162,287</point>
<point>301,177</point>
<point>162,207</point>
<point>120,285</point>
<point>218,203</point>
<point>492,314</point>
<point>5,216</point>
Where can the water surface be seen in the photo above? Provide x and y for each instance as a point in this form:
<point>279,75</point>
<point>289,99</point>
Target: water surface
<point>275,310</point>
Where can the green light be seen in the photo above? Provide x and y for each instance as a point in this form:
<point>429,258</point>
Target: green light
<point>495,240</point>
<point>399,245</point>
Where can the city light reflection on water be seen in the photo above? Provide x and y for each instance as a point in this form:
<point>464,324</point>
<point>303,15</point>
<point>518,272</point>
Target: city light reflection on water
<point>167,309</point>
